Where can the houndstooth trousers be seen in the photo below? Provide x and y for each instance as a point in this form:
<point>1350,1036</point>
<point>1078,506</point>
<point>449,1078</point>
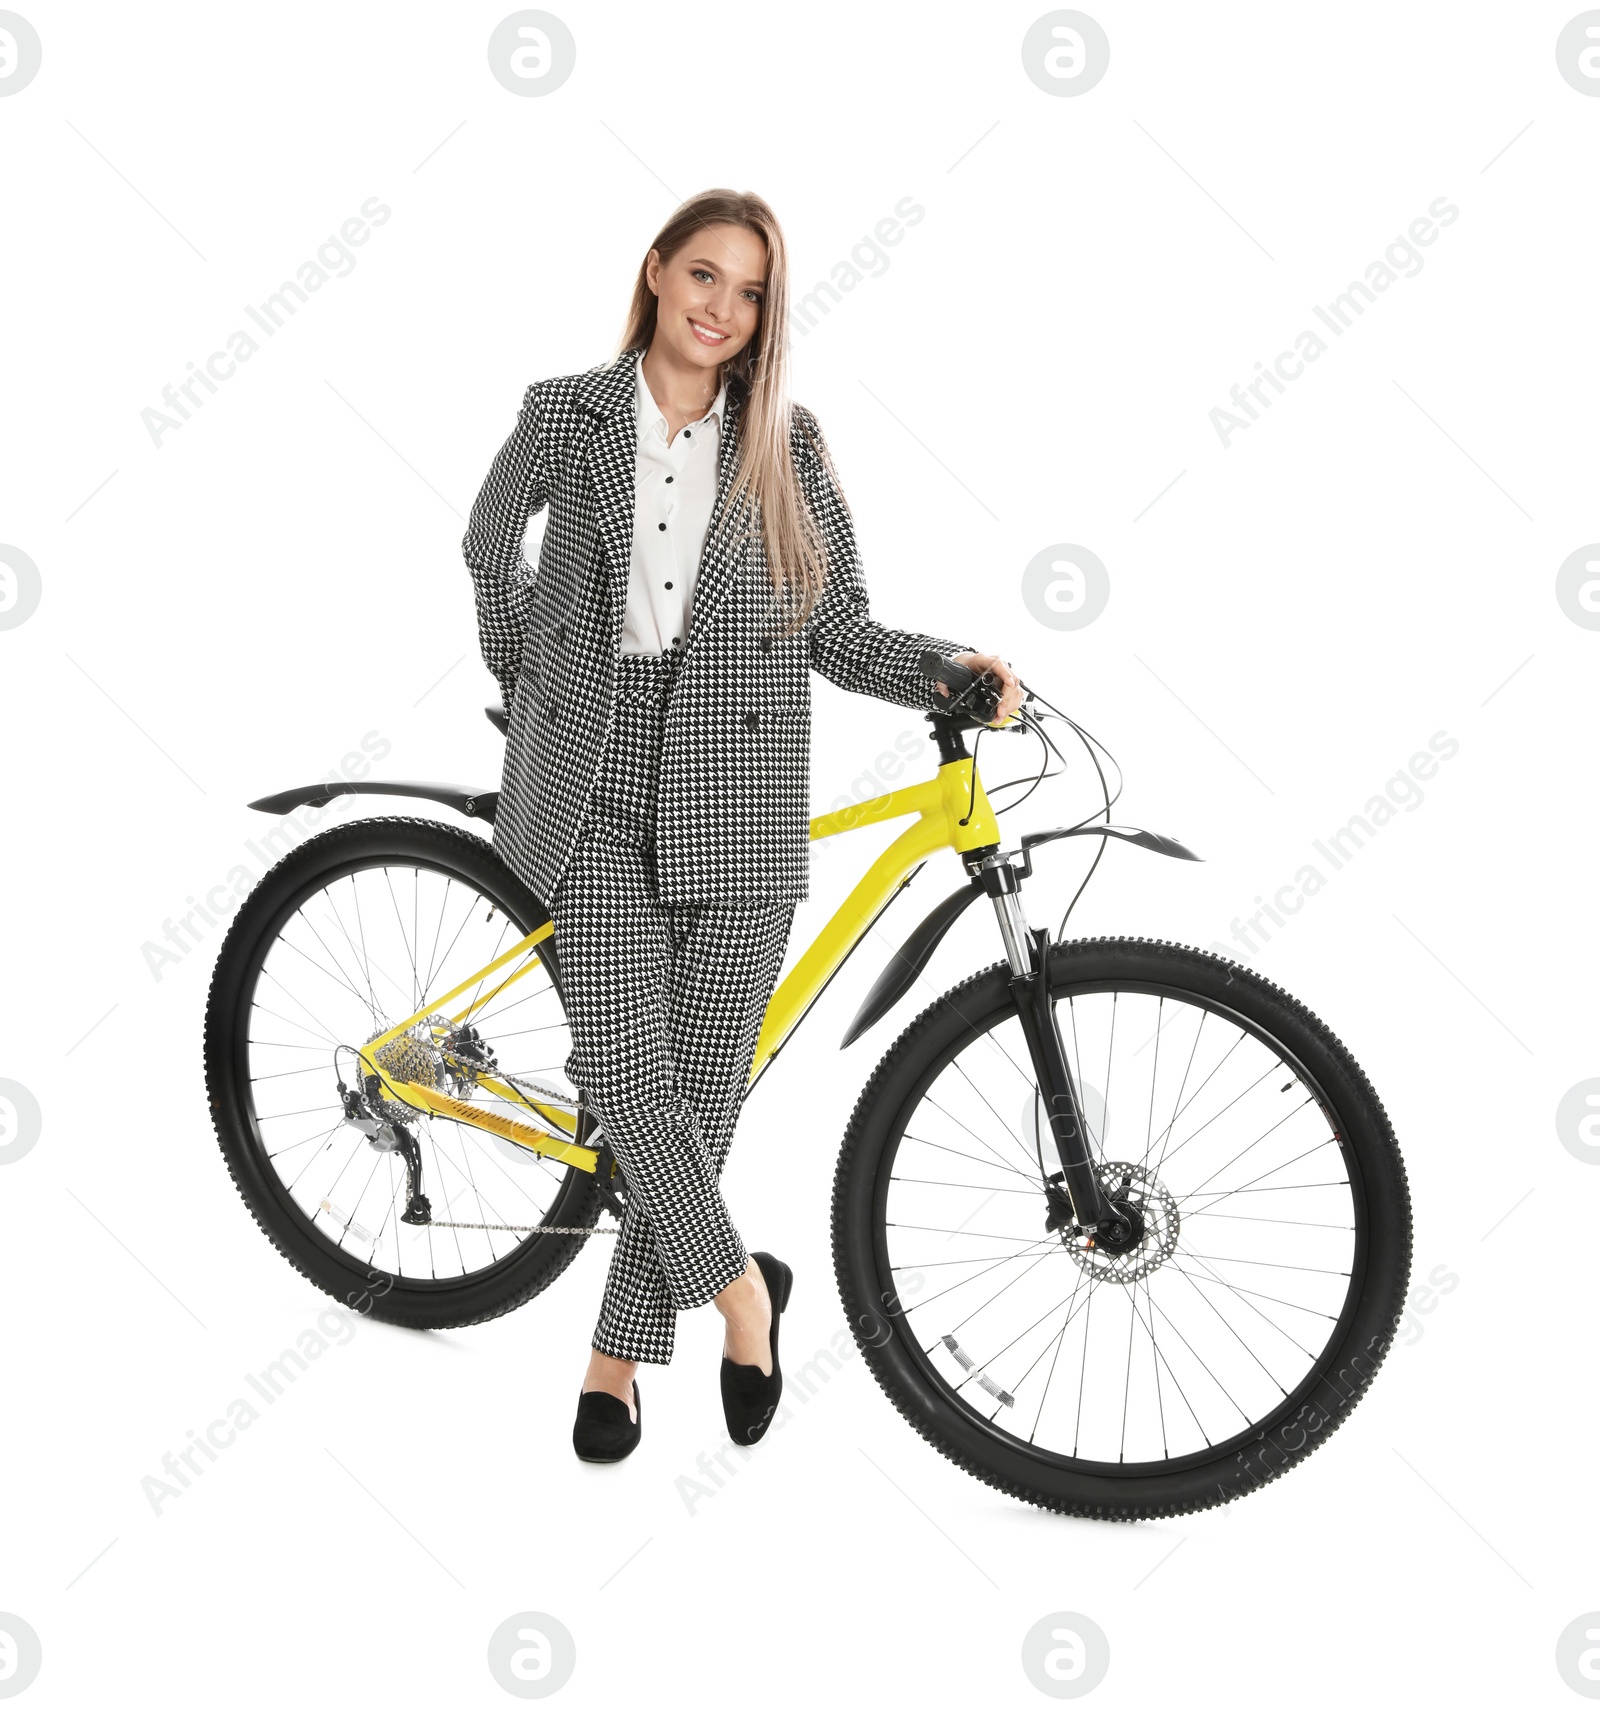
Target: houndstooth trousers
<point>665,1002</point>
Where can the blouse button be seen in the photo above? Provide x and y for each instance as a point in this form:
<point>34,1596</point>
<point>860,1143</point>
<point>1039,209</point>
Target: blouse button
<point>669,585</point>
<point>669,480</point>
<point>662,527</point>
<point>752,718</point>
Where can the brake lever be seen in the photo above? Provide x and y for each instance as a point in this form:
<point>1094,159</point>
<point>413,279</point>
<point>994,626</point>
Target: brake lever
<point>980,699</point>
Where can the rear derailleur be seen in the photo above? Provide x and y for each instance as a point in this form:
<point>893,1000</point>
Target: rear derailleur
<point>386,1134</point>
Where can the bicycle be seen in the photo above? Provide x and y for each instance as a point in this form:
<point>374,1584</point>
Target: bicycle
<point>1121,1292</point>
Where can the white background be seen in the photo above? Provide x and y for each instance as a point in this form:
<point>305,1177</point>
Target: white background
<point>1373,562</point>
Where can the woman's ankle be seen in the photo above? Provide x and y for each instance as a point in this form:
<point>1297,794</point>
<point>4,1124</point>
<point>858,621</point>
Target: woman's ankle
<point>746,1310</point>
<point>615,1377</point>
<point>745,1299</point>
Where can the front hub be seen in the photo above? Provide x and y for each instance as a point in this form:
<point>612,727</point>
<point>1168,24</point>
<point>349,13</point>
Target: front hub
<point>1139,1233</point>
<point>1123,1228</point>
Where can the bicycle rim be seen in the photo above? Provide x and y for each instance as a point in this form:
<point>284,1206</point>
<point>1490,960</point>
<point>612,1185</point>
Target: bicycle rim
<point>1216,1325</point>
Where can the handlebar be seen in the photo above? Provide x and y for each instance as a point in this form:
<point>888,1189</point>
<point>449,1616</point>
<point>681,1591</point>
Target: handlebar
<point>973,694</point>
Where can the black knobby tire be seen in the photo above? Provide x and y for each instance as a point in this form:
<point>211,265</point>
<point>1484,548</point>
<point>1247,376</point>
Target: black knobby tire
<point>1356,1347</point>
<point>424,1303</point>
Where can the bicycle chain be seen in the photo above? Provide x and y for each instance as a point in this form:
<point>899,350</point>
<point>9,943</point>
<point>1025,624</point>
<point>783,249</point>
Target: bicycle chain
<point>550,1096</point>
<point>531,1229</point>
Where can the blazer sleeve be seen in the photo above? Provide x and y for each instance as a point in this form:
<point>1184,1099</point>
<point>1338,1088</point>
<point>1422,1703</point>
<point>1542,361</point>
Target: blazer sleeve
<point>502,579</point>
<point>847,644</point>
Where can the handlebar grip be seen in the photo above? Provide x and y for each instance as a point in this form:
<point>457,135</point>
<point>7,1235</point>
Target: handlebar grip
<point>948,671</point>
<point>974,693</point>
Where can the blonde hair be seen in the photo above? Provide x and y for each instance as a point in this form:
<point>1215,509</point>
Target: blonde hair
<point>765,485</point>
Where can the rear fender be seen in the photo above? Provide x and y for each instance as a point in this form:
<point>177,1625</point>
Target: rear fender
<point>475,804</point>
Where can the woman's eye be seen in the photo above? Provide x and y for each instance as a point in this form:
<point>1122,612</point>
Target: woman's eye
<point>699,273</point>
<point>754,296</point>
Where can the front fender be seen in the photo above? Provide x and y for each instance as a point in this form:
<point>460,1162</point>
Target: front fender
<point>910,960</point>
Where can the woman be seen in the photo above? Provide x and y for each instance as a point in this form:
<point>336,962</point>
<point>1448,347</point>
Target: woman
<point>697,564</point>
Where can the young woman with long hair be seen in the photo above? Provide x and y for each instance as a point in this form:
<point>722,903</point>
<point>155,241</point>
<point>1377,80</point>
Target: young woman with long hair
<point>698,563</point>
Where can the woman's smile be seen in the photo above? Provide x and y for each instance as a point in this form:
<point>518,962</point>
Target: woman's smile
<point>706,335</point>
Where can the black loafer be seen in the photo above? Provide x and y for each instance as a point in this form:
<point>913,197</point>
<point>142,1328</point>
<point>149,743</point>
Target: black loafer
<point>602,1430</point>
<point>750,1396</point>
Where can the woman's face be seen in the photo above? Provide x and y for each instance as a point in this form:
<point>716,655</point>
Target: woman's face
<point>709,294</point>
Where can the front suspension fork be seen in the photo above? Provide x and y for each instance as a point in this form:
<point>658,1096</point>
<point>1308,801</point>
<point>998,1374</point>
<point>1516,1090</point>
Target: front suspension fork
<point>1027,949</point>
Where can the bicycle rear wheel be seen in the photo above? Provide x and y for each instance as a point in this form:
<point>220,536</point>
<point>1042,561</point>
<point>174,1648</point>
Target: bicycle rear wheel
<point>1273,1222</point>
<point>344,937</point>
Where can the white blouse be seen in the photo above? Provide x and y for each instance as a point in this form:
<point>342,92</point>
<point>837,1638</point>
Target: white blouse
<point>675,486</point>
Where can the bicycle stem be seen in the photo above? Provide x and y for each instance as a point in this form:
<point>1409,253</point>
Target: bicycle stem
<point>1027,950</point>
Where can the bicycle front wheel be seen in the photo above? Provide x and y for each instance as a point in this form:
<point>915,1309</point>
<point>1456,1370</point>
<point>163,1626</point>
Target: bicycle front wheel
<point>1271,1212</point>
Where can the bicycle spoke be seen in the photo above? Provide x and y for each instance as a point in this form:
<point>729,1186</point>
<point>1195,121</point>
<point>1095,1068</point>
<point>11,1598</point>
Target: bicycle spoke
<point>1002,1164</point>
<point>1252,1146</point>
<point>1009,1259</point>
<point>321,1027</point>
<point>1178,1107</point>
<point>1209,1276</point>
<point>930,1182</point>
<point>1045,1392</point>
<point>984,1307</point>
<point>1238,1289</point>
<point>1266,1173</point>
<point>1155,1353</point>
<point>1246,1218</point>
<point>1000,1120</point>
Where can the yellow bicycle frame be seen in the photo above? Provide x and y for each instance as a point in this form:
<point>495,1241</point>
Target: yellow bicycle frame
<point>952,812</point>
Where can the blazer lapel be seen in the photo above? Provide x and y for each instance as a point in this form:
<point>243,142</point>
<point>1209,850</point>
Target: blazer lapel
<point>724,546</point>
<point>612,458</point>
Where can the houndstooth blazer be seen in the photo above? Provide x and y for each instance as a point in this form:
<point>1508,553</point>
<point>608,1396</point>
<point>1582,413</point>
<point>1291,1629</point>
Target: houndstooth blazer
<point>733,810</point>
